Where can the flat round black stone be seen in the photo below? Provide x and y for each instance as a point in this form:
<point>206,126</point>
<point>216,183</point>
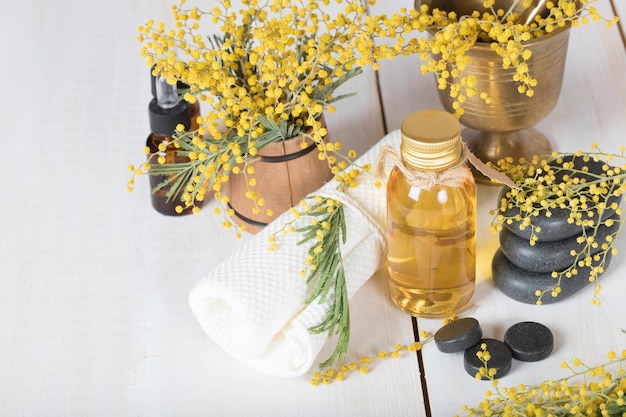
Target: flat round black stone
<point>556,226</point>
<point>500,353</point>
<point>553,228</point>
<point>521,285</point>
<point>548,256</point>
<point>529,341</point>
<point>458,335</point>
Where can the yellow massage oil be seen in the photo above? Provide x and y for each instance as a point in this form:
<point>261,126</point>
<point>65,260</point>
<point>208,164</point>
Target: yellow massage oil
<point>431,228</point>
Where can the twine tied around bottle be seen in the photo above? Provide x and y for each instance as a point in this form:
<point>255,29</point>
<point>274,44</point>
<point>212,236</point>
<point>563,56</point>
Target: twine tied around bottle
<point>452,176</point>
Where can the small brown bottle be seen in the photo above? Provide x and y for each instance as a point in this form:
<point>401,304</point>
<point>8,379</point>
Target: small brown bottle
<point>166,112</point>
<point>431,242</point>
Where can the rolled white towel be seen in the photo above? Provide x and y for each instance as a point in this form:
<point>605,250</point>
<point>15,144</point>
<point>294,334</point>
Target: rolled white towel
<point>251,304</point>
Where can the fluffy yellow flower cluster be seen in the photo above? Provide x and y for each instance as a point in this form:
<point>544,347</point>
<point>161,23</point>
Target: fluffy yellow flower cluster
<point>328,375</point>
<point>275,65</point>
<point>446,51</point>
<point>600,394</point>
<point>271,61</point>
<point>267,76</point>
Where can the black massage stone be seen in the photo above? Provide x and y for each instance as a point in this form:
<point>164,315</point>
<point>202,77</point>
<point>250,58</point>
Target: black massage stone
<point>556,227</point>
<point>500,353</point>
<point>520,284</point>
<point>550,256</point>
<point>529,341</point>
<point>458,335</point>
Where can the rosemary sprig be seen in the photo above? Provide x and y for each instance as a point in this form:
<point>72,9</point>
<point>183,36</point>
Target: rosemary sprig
<point>325,271</point>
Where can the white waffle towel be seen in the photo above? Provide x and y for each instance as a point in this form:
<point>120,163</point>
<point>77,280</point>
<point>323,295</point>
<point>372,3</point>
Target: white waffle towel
<point>251,304</point>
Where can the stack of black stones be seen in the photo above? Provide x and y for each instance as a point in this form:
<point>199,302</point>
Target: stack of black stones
<point>521,270</point>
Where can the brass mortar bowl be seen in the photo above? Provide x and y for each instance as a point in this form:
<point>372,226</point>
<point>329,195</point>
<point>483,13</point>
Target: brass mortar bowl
<point>504,127</point>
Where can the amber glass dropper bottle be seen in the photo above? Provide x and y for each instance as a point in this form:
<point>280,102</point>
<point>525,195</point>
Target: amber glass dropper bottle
<point>431,228</point>
<point>166,112</point>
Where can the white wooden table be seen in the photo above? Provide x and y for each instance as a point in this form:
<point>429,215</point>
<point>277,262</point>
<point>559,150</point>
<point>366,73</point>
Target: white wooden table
<point>94,283</point>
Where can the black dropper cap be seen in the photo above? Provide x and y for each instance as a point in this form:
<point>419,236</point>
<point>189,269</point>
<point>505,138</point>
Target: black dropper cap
<point>166,111</point>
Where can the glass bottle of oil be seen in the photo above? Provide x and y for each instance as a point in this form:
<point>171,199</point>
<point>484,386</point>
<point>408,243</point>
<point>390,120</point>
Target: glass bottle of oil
<point>431,239</point>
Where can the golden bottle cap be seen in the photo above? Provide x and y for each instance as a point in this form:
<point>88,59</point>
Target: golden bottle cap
<point>431,140</point>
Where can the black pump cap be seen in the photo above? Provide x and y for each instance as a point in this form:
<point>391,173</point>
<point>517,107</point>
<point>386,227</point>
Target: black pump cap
<point>163,122</point>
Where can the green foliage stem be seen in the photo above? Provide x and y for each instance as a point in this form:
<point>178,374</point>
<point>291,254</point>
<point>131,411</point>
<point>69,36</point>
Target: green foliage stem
<point>326,275</point>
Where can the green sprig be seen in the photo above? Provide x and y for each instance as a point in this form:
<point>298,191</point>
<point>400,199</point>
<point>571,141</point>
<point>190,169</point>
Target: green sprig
<point>326,274</point>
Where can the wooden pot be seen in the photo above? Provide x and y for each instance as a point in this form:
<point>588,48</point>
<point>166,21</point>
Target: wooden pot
<point>285,172</point>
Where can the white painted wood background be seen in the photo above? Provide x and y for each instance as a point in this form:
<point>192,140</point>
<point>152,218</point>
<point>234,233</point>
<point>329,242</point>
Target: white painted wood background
<point>94,283</point>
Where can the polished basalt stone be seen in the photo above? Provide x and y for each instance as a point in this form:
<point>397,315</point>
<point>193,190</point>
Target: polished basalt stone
<point>458,335</point>
<point>548,256</point>
<point>529,341</point>
<point>520,284</point>
<point>501,358</point>
<point>553,228</point>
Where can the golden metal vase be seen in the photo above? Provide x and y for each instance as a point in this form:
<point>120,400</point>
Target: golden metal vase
<point>504,127</point>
